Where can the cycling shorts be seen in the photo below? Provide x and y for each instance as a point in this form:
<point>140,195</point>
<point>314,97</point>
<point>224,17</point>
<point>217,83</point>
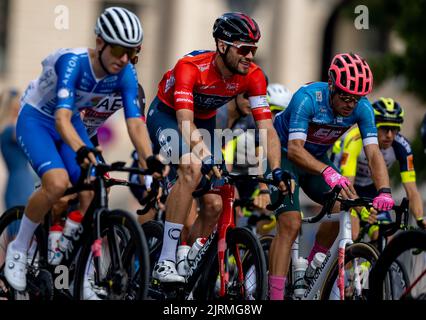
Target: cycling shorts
<point>167,139</point>
<point>313,185</point>
<point>43,145</point>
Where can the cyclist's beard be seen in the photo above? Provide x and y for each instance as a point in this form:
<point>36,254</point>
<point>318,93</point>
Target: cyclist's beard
<point>228,63</point>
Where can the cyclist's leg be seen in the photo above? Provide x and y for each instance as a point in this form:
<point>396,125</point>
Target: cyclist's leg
<point>167,140</point>
<point>288,226</point>
<point>315,186</point>
<point>69,157</point>
<point>46,161</point>
<point>211,204</point>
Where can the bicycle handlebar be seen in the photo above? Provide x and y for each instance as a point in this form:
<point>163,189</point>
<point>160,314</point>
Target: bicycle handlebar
<point>206,185</point>
<point>101,169</point>
<point>346,204</point>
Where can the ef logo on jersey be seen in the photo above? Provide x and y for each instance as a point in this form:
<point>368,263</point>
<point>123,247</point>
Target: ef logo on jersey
<point>324,134</point>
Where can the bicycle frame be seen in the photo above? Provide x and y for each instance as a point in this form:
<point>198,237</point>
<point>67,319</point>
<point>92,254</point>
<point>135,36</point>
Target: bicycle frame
<point>337,251</point>
<point>226,221</point>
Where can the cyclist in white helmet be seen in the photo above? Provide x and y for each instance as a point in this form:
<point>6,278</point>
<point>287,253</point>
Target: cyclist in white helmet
<point>278,96</point>
<point>52,133</point>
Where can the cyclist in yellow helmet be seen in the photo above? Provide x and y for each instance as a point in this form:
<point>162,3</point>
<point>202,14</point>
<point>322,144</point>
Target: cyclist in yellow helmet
<point>389,116</point>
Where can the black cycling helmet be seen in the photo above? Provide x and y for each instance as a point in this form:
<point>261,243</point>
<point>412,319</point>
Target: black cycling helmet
<point>236,26</point>
<point>388,112</point>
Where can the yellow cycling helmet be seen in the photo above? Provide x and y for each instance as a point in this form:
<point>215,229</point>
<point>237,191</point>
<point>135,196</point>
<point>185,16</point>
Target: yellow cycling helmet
<point>388,112</point>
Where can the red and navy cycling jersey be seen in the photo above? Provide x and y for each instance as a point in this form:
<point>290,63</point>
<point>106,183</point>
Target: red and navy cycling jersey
<point>196,84</point>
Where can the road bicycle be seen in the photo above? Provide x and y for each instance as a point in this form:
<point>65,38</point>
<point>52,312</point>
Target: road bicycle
<point>231,264</point>
<point>107,259</point>
<point>397,279</point>
<point>343,275</point>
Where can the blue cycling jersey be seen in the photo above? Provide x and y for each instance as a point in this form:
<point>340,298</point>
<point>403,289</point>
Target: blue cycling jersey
<point>68,81</point>
<point>309,117</point>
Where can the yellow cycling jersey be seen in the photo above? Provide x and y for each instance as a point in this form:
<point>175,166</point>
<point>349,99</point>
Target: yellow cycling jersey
<point>352,161</point>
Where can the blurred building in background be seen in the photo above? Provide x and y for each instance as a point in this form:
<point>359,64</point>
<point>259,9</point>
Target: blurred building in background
<point>299,38</point>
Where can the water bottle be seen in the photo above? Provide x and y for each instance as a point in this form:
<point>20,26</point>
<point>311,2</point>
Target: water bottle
<point>71,231</point>
<point>194,250</point>
<point>312,268</point>
<point>181,258</point>
<point>55,233</point>
<point>299,268</point>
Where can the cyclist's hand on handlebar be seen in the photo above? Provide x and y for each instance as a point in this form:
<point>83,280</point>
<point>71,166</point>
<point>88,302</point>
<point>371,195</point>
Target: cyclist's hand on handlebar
<point>155,164</point>
<point>286,181</point>
<point>421,222</point>
<point>210,166</point>
<point>383,201</point>
<point>262,200</point>
<point>333,178</point>
<point>86,156</point>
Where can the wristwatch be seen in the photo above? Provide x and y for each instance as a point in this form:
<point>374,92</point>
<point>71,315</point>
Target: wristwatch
<point>384,190</point>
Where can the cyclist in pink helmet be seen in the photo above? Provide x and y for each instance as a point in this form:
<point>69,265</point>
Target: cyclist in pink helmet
<point>350,73</point>
<point>317,115</point>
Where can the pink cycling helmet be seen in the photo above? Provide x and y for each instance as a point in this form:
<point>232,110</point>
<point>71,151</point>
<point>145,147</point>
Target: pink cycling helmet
<point>351,73</point>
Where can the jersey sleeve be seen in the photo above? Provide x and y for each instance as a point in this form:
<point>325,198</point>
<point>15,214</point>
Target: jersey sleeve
<point>186,75</point>
<point>129,93</point>
<point>302,111</point>
<point>404,155</point>
<point>67,69</point>
<point>366,122</point>
<point>352,147</point>
<point>257,96</point>
<point>142,102</point>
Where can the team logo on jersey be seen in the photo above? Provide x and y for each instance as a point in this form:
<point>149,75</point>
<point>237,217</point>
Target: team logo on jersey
<point>63,93</point>
<point>318,95</point>
<point>231,86</point>
<point>169,83</point>
<point>204,67</point>
<point>410,163</point>
<point>345,157</point>
<point>110,79</point>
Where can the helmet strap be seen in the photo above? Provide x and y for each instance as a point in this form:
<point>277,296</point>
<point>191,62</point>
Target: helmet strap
<point>100,59</point>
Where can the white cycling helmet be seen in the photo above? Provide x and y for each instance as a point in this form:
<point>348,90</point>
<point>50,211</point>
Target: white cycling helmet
<point>278,96</point>
<point>118,25</point>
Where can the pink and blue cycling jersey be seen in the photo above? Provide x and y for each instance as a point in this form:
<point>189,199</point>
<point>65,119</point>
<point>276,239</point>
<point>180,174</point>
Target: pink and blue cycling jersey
<point>309,117</point>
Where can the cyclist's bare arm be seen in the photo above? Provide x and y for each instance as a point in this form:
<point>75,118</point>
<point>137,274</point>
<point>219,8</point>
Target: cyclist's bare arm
<point>416,205</point>
<point>379,171</point>
<point>302,158</point>
<point>273,148</point>
<point>68,133</point>
<point>139,136</point>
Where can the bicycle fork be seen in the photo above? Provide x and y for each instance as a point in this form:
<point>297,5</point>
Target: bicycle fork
<point>345,234</point>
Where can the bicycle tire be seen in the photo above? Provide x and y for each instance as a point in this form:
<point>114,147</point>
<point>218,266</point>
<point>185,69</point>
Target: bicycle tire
<point>153,231</point>
<point>397,280</point>
<point>133,251</point>
<point>353,251</point>
<point>265,242</point>
<point>251,254</point>
<point>39,281</point>
<point>403,241</point>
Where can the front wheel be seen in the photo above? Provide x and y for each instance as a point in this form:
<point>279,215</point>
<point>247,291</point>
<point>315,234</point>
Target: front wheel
<point>359,259</point>
<point>246,265</point>
<point>408,247</point>
<point>123,261</point>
